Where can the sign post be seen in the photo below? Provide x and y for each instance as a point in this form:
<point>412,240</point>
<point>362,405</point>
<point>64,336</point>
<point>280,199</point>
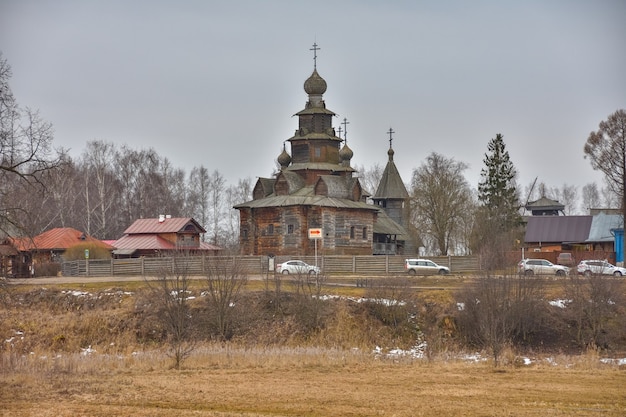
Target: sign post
<point>315,234</point>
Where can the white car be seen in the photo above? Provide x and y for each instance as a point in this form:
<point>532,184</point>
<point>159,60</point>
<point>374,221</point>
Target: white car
<point>541,267</point>
<point>597,267</point>
<point>296,267</point>
<point>424,267</point>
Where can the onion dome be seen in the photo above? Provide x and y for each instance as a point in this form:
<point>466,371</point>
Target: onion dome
<point>390,152</point>
<point>315,85</point>
<point>346,154</point>
<point>284,159</point>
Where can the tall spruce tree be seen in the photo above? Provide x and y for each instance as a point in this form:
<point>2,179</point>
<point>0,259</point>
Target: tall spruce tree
<point>497,191</point>
<point>496,226</point>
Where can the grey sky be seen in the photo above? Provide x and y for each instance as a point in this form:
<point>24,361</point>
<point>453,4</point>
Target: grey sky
<point>216,83</point>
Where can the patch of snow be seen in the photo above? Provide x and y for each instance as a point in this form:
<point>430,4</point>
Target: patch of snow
<point>87,351</point>
<point>611,361</point>
<point>551,361</point>
<point>560,303</point>
<point>473,357</point>
<point>76,293</point>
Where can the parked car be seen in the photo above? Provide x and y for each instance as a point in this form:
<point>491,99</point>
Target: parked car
<point>597,267</point>
<point>565,258</point>
<point>424,267</point>
<point>296,267</point>
<point>541,267</point>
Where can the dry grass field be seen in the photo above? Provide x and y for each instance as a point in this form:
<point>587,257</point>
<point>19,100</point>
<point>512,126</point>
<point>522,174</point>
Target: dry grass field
<point>222,381</point>
<point>47,368</point>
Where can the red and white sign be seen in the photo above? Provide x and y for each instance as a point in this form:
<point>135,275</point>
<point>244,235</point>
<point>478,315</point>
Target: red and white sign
<point>315,233</point>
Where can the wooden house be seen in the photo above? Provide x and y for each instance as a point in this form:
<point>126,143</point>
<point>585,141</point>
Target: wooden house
<point>314,190</point>
<point>587,237</point>
<point>162,236</point>
<point>44,249</point>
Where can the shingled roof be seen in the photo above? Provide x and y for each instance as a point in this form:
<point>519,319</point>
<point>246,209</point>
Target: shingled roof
<point>391,185</point>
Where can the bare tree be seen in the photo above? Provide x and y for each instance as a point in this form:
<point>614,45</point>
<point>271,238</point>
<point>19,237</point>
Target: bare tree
<point>225,278</point>
<point>609,198</point>
<point>240,193</point>
<point>100,188</point>
<point>500,311</point>
<point>307,289</point>
<point>370,178</point>
<point>26,152</point>
<point>217,188</point>
<point>394,303</point>
<point>440,196</point>
<point>171,296</point>
<point>606,149</point>
<point>198,196</point>
<point>568,196</point>
<point>61,198</point>
<point>595,309</point>
<point>590,197</point>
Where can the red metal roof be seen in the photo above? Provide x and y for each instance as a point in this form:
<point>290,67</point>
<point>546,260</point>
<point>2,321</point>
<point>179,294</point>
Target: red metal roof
<point>153,242</point>
<point>143,242</point>
<point>208,246</point>
<point>60,238</point>
<point>163,225</point>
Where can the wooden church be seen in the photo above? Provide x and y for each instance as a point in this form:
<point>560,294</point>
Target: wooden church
<point>316,202</point>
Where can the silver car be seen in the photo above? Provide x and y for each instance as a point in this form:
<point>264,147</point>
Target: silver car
<point>541,267</point>
<point>597,267</point>
<point>296,267</point>
<point>424,267</point>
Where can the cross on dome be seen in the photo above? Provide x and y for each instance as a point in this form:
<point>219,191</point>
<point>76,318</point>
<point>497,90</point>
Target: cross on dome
<point>391,132</point>
<point>315,49</point>
<point>345,124</point>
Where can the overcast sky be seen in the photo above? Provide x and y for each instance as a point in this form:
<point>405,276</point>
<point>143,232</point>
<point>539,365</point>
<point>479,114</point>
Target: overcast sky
<point>216,83</point>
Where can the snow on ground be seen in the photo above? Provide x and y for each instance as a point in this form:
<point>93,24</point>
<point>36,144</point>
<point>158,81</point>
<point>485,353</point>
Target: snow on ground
<point>416,352</point>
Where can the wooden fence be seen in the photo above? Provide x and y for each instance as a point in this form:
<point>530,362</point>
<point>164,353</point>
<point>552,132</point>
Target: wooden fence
<point>331,265</point>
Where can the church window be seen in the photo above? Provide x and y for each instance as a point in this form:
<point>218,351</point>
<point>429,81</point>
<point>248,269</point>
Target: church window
<point>290,229</point>
<point>270,229</point>
<point>352,232</point>
<point>364,235</point>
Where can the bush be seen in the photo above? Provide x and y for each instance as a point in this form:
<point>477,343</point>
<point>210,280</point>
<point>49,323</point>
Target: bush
<point>96,251</point>
<point>48,269</point>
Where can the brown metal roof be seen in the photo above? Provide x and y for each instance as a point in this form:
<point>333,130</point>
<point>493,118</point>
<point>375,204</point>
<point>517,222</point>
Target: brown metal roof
<point>167,225</point>
<point>60,238</point>
<point>558,229</point>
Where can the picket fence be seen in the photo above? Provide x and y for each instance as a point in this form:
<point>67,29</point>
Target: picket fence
<point>258,265</point>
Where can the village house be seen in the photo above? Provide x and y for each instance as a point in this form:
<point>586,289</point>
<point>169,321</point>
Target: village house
<point>24,256</point>
<point>586,237</point>
<point>162,236</point>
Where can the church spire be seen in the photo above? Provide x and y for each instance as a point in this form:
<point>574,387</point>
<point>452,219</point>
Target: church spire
<point>391,185</point>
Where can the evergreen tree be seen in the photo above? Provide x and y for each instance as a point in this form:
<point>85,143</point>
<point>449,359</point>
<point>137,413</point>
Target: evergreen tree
<point>497,191</point>
<point>497,221</point>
